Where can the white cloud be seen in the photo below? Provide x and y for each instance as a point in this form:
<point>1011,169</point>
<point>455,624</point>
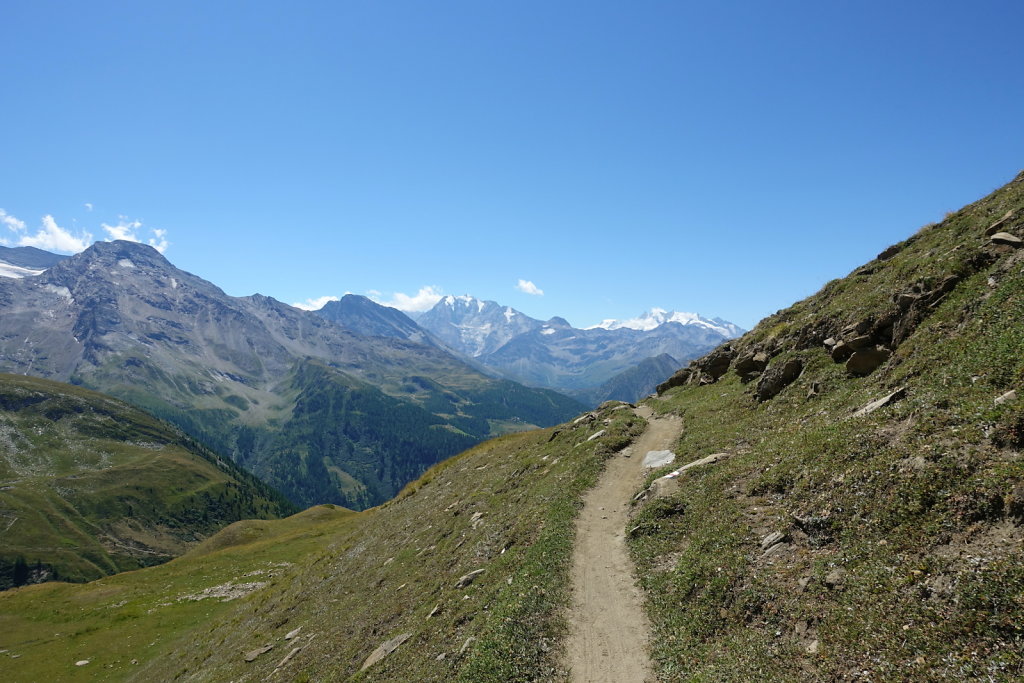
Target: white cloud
<point>422,300</point>
<point>315,304</point>
<point>529,288</point>
<point>52,237</point>
<point>11,222</point>
<point>129,230</point>
<point>124,230</point>
<point>159,242</point>
<point>88,206</point>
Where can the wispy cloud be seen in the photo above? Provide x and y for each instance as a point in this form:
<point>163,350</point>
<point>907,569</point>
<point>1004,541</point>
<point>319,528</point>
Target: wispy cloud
<point>315,304</point>
<point>159,242</point>
<point>52,237</point>
<point>129,230</point>
<point>11,222</point>
<point>124,230</point>
<point>422,300</point>
<point>528,287</point>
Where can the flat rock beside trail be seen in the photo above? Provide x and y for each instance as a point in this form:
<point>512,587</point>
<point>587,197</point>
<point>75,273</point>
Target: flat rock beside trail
<point>659,458</point>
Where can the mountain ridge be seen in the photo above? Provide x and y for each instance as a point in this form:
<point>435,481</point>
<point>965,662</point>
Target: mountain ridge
<point>120,318</point>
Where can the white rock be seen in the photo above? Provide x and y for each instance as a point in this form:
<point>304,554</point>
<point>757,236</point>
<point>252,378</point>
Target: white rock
<point>1008,397</point>
<point>658,458</point>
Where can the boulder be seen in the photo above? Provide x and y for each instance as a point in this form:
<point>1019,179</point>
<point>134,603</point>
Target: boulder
<point>867,361</point>
<point>772,539</point>
<point>905,300</point>
<point>1006,238</point>
<point>469,578</point>
<point>889,252</point>
<point>882,402</point>
<point>777,378</point>
<point>384,649</point>
<point>717,362</point>
<point>835,578</point>
<point>995,227</point>
<point>253,654</point>
<point>1008,397</point>
<point>680,378</point>
<point>840,352</point>
<point>750,365</point>
<point>860,343</point>
<point>856,329</point>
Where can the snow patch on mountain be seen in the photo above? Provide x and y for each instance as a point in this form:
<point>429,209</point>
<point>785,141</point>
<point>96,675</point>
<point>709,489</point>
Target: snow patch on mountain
<point>657,317</point>
<point>18,272</point>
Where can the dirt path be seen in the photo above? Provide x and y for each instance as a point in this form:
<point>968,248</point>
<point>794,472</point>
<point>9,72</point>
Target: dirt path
<point>608,629</point>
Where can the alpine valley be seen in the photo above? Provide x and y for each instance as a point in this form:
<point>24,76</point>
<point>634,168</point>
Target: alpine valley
<point>322,414</point>
<point>846,502</point>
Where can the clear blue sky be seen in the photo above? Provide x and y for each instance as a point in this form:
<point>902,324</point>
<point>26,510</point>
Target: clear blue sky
<point>720,157</point>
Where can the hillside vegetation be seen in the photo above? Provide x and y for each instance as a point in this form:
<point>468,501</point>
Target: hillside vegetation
<point>833,544</point>
<point>345,583</point>
<point>90,486</point>
<point>862,521</point>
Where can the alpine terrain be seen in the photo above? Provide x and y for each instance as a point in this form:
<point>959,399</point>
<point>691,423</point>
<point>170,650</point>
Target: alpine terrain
<point>835,495</point>
<point>593,364</point>
<point>90,486</point>
<point>320,413</point>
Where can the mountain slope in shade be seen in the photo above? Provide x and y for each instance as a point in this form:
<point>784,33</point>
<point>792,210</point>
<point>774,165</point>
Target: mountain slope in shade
<point>638,381</point>
<point>91,486</point>
<point>18,262</point>
<point>120,318</point>
<point>364,316</point>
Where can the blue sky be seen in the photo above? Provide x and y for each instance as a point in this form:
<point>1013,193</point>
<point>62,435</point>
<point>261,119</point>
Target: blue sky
<point>721,157</point>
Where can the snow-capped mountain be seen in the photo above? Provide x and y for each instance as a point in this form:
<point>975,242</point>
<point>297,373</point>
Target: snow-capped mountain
<point>19,262</point>
<point>473,326</point>
<point>555,355</point>
<point>656,317</point>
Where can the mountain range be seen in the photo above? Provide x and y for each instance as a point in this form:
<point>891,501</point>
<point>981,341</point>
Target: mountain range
<point>321,413</point>
<point>593,364</point>
<point>846,504</point>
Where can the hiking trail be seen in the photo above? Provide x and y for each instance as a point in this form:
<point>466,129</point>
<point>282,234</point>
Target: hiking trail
<point>608,630</point>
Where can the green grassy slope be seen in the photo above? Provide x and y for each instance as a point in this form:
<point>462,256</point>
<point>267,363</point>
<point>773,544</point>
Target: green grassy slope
<point>322,435</point>
<point>902,528</point>
<point>90,486</point>
<point>349,581</point>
